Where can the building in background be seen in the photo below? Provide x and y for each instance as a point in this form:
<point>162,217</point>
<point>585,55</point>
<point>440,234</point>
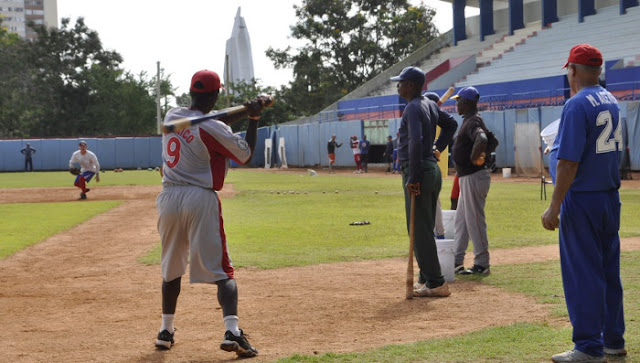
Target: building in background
<point>17,14</point>
<point>238,64</point>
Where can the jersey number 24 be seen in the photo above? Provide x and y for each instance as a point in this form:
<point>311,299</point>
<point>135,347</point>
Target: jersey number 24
<point>606,141</point>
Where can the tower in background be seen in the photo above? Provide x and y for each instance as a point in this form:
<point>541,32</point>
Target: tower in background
<point>17,14</point>
<point>238,64</point>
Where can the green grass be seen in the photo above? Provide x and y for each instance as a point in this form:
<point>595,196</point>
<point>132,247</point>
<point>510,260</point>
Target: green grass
<point>26,224</point>
<point>50,179</point>
<point>521,342</point>
<point>284,219</point>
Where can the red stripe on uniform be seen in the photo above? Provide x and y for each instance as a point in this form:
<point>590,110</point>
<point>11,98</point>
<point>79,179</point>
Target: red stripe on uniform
<point>217,155</point>
<point>226,261</point>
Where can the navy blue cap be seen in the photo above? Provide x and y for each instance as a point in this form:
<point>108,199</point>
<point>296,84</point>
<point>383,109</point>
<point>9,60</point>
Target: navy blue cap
<point>413,74</point>
<point>432,96</point>
<point>469,93</point>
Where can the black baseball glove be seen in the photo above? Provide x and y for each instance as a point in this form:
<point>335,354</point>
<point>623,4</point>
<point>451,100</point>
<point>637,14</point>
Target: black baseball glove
<point>74,171</point>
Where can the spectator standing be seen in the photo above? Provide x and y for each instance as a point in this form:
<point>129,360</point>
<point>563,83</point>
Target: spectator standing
<point>396,165</point>
<point>585,206</point>
<point>421,176</point>
<point>27,152</point>
<point>364,153</point>
<point>331,150</point>
<point>388,153</point>
<point>475,180</point>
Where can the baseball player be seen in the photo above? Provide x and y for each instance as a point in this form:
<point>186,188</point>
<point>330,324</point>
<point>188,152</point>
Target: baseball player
<point>586,207</point>
<point>364,153</point>
<point>475,180</point>
<point>421,176</point>
<point>89,166</point>
<point>437,149</point>
<point>195,163</point>
<point>331,150</point>
<point>355,147</point>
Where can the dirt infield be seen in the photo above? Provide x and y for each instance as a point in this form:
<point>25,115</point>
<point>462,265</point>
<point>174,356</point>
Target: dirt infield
<point>81,296</point>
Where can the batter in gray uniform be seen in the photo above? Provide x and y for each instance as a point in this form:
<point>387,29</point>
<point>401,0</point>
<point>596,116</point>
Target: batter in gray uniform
<point>195,163</point>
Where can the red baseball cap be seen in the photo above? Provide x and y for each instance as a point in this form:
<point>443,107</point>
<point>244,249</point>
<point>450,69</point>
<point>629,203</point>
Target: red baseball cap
<point>205,81</point>
<point>585,54</point>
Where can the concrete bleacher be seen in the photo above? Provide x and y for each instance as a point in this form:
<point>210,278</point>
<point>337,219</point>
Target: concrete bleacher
<point>535,58</point>
<point>493,47</point>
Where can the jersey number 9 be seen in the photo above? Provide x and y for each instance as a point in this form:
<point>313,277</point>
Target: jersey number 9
<point>173,150</point>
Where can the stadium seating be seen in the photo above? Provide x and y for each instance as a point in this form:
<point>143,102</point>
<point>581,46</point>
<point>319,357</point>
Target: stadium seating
<point>614,34</point>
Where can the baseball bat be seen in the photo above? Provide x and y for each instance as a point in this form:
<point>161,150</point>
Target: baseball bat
<point>182,123</point>
<point>412,220</point>
<point>446,96</point>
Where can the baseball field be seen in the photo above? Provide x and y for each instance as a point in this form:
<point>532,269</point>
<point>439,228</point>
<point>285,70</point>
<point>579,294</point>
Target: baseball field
<point>81,280</point>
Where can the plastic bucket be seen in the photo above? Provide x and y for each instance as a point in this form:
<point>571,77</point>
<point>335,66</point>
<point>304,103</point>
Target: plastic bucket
<point>449,222</point>
<point>506,172</point>
<point>446,258</point>
<point>549,133</point>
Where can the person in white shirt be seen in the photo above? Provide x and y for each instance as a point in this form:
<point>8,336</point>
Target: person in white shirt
<point>89,166</point>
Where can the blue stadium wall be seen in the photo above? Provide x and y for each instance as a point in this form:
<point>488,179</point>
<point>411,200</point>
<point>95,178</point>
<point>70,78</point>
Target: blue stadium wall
<point>305,145</point>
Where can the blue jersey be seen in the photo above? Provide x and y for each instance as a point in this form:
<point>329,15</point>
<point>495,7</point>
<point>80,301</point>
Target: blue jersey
<point>590,133</point>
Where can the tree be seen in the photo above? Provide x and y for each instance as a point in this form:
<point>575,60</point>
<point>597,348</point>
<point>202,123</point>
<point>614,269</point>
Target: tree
<point>65,84</point>
<point>347,42</point>
<point>281,111</point>
<point>13,66</point>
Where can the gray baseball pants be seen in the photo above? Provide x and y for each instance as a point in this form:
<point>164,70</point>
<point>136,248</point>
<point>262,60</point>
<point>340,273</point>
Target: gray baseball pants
<point>470,219</point>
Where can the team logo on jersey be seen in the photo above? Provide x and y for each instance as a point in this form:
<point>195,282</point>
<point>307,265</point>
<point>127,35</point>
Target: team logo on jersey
<point>242,144</point>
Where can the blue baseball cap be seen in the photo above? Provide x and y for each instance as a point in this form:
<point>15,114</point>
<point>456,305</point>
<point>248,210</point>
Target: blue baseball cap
<point>413,74</point>
<point>432,96</point>
<point>469,93</point>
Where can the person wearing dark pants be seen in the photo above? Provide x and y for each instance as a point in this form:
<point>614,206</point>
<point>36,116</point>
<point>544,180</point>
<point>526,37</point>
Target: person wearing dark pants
<point>421,176</point>
<point>586,207</point>
<point>364,153</point>
<point>28,161</point>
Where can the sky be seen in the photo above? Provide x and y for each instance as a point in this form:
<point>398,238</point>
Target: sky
<point>190,35</point>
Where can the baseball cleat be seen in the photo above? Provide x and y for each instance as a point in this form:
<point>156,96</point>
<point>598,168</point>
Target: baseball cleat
<point>440,291</point>
<point>82,196</point>
<point>165,340</point>
<point>476,270</point>
<point>574,355</point>
<point>240,345</point>
<point>615,352</point>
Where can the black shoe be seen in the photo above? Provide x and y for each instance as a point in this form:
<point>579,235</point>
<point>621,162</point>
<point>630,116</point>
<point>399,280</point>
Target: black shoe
<point>83,196</point>
<point>240,345</point>
<point>458,269</point>
<point>476,270</point>
<point>165,340</point>
<point>87,190</point>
